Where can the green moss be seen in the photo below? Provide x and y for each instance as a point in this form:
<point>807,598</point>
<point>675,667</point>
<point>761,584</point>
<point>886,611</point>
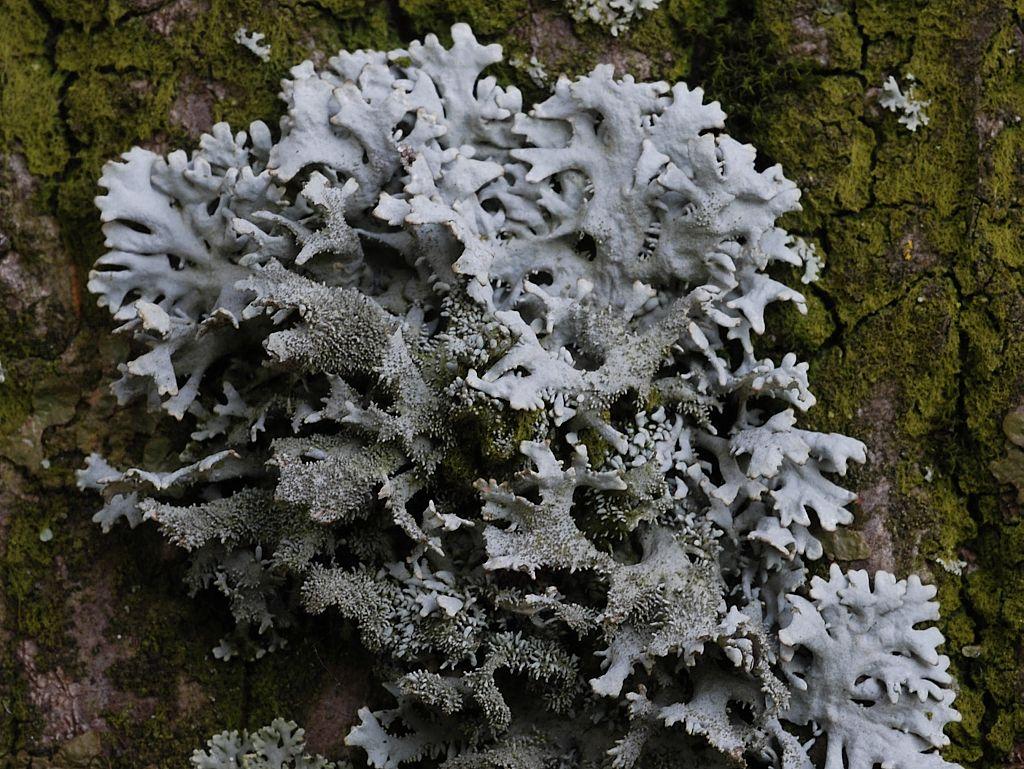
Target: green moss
<point>165,659</point>
<point>1013,605</point>
<point>912,344</point>
<point>992,322</point>
<point>984,593</point>
<point>695,16</point>
<point>838,170</point>
<point>959,629</point>
<point>96,99</point>
<point>490,446</point>
<point>1007,730</point>
<point>967,735</point>
<point>33,591</point>
<point>85,12</point>
<point>14,407</point>
<point>803,333</point>
<point>30,120</point>
<point>325,661</point>
<point>818,36</point>
<point>486,18</point>
<point>24,32</point>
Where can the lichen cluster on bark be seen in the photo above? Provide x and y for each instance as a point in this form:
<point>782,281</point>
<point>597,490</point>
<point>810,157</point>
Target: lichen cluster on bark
<point>914,332</point>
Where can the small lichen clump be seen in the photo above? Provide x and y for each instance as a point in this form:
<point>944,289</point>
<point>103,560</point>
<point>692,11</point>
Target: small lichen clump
<point>254,42</point>
<point>910,109</point>
<point>281,745</point>
<point>614,15</point>
<point>483,381</point>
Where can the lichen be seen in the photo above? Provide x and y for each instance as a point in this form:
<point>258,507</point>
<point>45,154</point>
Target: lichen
<point>415,250</point>
<point>280,745</point>
<point>911,110</point>
<point>253,41</point>
<point>614,15</point>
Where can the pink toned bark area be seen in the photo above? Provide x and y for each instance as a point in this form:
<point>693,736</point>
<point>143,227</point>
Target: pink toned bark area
<point>72,702</point>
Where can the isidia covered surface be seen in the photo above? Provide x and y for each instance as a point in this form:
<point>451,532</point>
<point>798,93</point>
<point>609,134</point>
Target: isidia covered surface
<point>909,333</point>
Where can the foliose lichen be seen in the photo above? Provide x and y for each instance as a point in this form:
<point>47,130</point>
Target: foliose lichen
<point>482,381</point>
<point>614,15</point>
<point>909,108</point>
<point>253,41</point>
<point>280,745</point>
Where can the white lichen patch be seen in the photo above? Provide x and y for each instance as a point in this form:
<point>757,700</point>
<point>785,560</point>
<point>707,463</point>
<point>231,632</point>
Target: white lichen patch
<point>954,566</point>
<point>281,745</point>
<point>481,379</point>
<point>613,15</point>
<point>905,104</point>
<point>534,70</point>
<point>254,42</point>
<point>812,261</point>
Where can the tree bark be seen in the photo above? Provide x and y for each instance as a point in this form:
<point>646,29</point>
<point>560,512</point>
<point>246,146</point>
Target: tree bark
<point>915,331</point>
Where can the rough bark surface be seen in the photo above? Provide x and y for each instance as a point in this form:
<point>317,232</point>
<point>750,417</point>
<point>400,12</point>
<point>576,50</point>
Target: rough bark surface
<point>915,333</point>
